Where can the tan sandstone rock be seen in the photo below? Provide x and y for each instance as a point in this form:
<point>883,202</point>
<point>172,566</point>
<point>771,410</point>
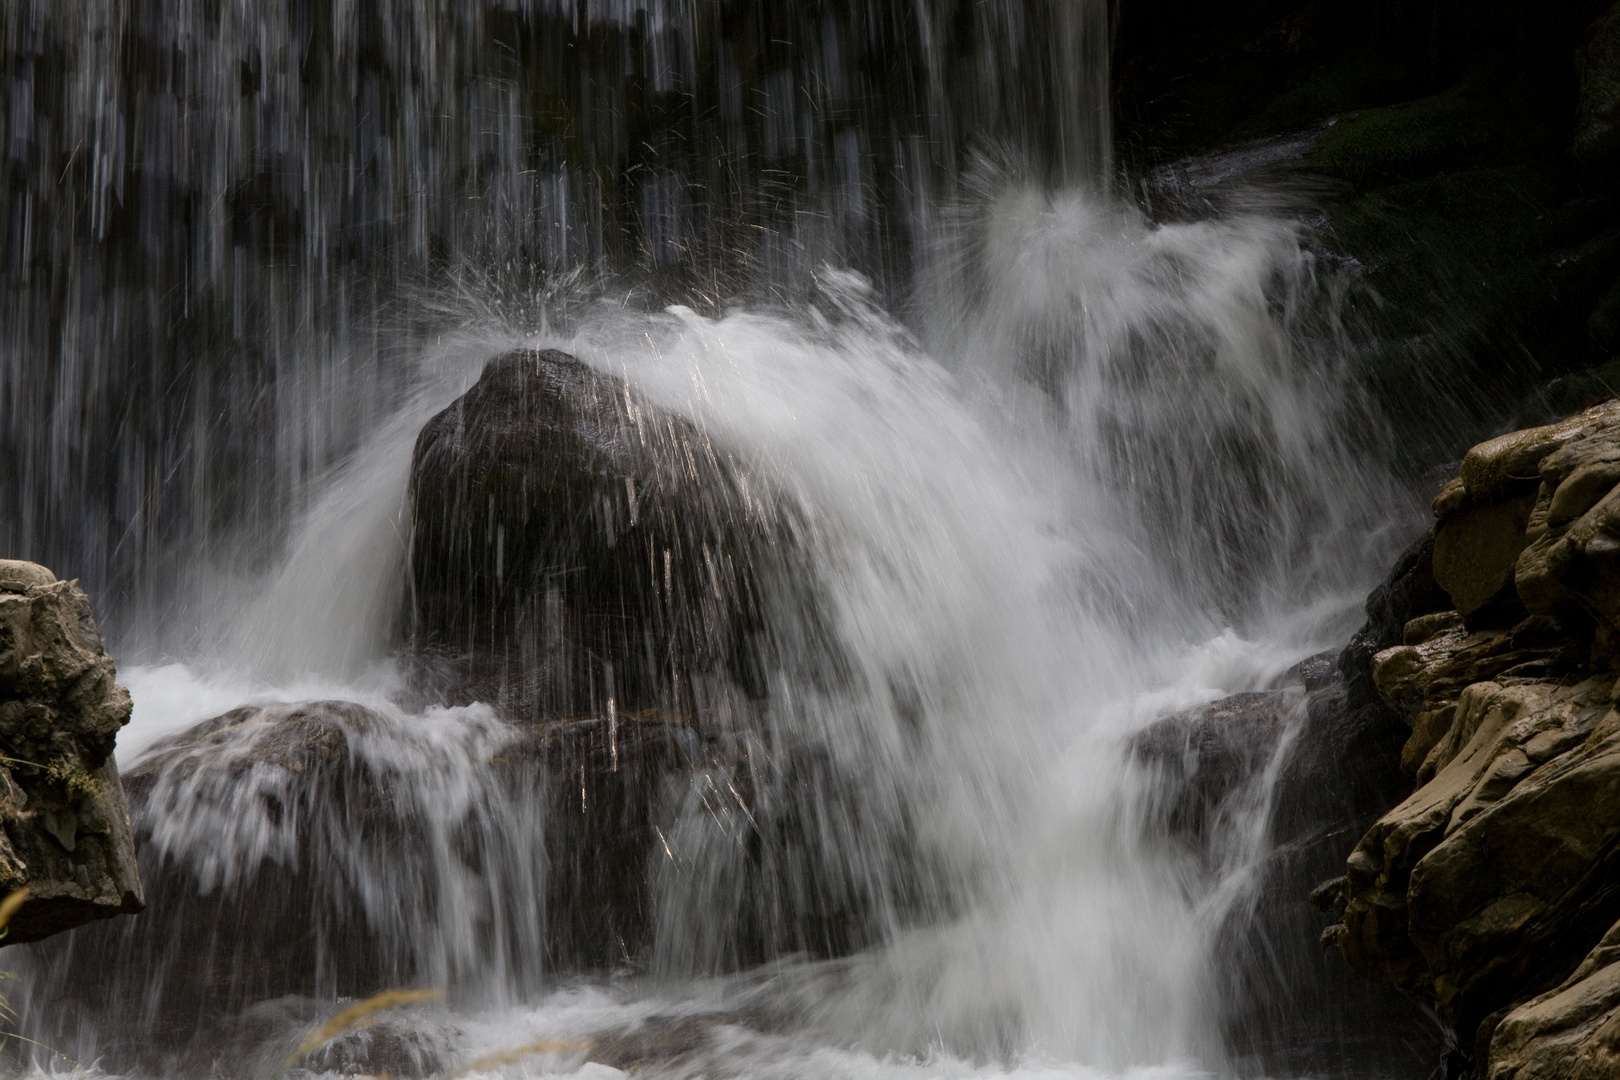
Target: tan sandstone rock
<point>1573,555</point>
<point>1489,884</point>
<point>1423,679</point>
<point>1477,549</point>
<point>1465,886</point>
<point>1513,500</point>
<point>1569,1033</point>
<point>1501,465</point>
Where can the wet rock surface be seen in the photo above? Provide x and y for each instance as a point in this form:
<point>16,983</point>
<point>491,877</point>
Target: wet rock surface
<point>1572,1032</point>
<point>1203,755</point>
<point>66,833</point>
<point>1485,678</point>
<point>573,545</point>
<point>302,852</point>
<point>1490,889</point>
<point>283,845</point>
<point>1316,761</point>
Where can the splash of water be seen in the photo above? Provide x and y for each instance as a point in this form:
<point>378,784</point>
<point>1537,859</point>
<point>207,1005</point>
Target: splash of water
<point>1107,469</point>
<point>1022,537</point>
<point>217,212</point>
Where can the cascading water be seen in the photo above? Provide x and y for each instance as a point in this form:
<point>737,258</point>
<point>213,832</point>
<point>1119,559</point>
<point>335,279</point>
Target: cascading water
<point>1104,468</point>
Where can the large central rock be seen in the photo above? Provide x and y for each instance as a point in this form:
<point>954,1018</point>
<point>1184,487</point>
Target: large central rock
<point>577,551</point>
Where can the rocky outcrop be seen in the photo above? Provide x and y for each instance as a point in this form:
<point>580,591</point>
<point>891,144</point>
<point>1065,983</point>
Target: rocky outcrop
<point>574,546</point>
<point>307,850</point>
<point>66,830</point>
<point>1488,885</point>
<point>1203,756</point>
<point>1571,1032</point>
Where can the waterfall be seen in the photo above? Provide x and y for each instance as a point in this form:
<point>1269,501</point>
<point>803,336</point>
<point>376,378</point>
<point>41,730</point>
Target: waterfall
<point>1046,470</point>
<point>217,214</point>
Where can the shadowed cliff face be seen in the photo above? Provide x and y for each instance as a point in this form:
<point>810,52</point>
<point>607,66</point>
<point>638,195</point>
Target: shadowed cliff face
<point>1465,159</point>
<point>1192,75</point>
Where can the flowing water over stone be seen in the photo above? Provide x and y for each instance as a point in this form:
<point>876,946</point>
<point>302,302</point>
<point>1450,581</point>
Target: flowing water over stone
<point>1021,470</point>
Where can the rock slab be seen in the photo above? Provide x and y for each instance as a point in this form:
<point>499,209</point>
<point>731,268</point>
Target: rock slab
<point>324,848</point>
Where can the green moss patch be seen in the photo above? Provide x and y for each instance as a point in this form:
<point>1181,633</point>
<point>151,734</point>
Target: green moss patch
<point>1456,128</point>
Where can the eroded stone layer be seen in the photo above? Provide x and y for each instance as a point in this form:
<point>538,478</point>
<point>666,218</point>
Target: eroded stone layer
<point>1492,886</point>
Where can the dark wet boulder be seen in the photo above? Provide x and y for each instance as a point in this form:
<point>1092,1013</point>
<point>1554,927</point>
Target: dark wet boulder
<point>297,853</point>
<point>1205,757</point>
<point>66,831</point>
<point>1303,769</point>
<point>575,549</point>
<point>1297,1008</point>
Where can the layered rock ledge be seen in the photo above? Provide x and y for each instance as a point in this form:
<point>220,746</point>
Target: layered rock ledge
<point>1494,888</point>
<point>66,833</point>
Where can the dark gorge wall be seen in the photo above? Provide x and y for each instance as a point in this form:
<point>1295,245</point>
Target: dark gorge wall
<point>1464,158</point>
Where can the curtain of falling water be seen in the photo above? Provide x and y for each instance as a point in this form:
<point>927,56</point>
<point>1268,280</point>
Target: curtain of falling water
<point>219,216</point>
<point>210,209</point>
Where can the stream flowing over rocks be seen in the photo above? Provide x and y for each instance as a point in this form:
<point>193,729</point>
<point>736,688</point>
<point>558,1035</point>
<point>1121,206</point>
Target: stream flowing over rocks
<point>543,833</point>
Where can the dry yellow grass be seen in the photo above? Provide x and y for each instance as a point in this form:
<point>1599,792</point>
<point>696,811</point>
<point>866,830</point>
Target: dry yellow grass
<point>359,1015</point>
<point>9,906</point>
<point>517,1053</point>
